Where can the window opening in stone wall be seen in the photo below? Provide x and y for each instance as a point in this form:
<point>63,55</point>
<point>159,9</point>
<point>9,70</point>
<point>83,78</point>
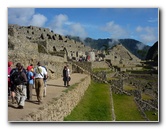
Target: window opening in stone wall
<point>54,48</point>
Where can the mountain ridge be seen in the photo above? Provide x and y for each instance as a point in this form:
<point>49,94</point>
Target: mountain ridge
<point>136,47</point>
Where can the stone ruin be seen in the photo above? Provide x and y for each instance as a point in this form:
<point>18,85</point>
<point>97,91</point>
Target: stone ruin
<point>120,58</point>
<point>30,44</point>
<point>144,84</point>
<point>51,42</point>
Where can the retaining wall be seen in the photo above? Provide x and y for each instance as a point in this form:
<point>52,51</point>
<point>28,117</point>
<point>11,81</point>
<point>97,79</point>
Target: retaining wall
<point>60,107</point>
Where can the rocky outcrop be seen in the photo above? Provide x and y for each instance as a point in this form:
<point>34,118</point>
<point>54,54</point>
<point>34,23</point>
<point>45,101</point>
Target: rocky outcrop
<point>153,53</point>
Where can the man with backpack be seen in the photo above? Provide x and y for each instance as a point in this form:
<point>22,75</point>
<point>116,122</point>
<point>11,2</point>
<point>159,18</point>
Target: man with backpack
<point>19,81</point>
<point>40,72</point>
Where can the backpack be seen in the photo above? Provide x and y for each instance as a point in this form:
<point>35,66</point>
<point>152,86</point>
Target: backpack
<point>45,77</point>
<point>17,78</point>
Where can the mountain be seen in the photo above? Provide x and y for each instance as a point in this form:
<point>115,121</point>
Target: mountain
<point>153,53</point>
<point>135,47</point>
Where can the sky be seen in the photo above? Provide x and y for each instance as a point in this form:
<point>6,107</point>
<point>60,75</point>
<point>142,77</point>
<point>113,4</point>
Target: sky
<point>117,23</point>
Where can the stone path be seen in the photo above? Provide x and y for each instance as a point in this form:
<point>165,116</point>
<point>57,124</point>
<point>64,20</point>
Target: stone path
<point>54,90</point>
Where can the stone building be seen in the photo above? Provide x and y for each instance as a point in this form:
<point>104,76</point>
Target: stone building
<point>120,57</point>
<point>51,42</point>
<point>30,44</point>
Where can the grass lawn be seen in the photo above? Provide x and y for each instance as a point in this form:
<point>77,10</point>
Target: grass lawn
<point>126,109</point>
<point>94,106</point>
<point>152,115</point>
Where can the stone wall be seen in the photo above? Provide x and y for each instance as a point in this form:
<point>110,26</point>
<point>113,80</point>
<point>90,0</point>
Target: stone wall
<point>85,65</point>
<point>60,107</point>
<point>54,64</point>
<point>51,41</point>
<point>100,65</point>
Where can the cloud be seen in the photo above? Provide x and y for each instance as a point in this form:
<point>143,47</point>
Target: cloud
<point>78,30</point>
<point>38,20</point>
<point>153,20</point>
<point>58,23</point>
<point>139,29</point>
<point>25,17</point>
<point>20,16</point>
<point>147,34</point>
<point>61,25</point>
<point>115,30</point>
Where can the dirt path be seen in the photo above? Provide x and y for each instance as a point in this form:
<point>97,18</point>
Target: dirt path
<point>54,90</point>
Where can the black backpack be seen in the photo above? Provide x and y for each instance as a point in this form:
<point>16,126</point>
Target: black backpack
<point>17,78</point>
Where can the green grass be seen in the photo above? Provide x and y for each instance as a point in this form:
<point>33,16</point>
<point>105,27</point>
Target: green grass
<point>129,88</point>
<point>94,106</point>
<point>152,115</point>
<point>146,97</point>
<point>108,70</point>
<point>126,109</point>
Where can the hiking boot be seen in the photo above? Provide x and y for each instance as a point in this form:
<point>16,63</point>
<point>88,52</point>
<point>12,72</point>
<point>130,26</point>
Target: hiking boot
<point>13,101</point>
<point>20,107</point>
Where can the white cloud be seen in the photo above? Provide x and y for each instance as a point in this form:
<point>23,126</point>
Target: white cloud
<point>57,24</point>
<point>115,30</point>
<point>139,29</point>
<point>78,30</point>
<point>25,16</point>
<point>61,25</point>
<point>20,16</point>
<point>153,20</point>
<point>38,20</point>
<point>147,34</point>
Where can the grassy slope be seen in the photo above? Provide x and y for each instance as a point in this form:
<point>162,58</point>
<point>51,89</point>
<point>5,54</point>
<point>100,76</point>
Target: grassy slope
<point>126,109</point>
<point>94,106</point>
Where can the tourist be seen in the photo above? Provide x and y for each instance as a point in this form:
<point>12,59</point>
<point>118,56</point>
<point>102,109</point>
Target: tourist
<point>12,85</point>
<point>30,77</point>
<point>39,83</point>
<point>9,70</point>
<point>19,82</point>
<point>45,83</point>
<point>66,75</point>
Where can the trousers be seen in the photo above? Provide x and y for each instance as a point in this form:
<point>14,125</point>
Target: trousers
<point>21,94</point>
<point>39,85</point>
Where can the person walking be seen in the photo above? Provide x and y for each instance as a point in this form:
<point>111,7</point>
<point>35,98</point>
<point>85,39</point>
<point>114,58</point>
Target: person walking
<point>39,83</point>
<point>19,81</point>
<point>30,77</point>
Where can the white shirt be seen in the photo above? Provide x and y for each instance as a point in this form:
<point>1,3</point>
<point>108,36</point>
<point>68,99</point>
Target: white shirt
<point>40,72</point>
<point>68,72</point>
